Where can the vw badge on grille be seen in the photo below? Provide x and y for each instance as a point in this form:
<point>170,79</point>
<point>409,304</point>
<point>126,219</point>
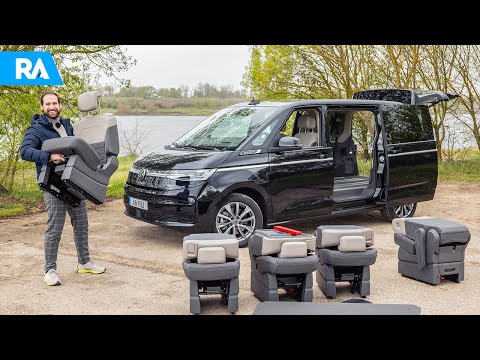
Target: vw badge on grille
<point>142,175</point>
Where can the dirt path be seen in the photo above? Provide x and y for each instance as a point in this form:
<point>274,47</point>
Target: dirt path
<point>144,272</point>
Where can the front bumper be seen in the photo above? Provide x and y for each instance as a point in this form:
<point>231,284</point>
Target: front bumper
<point>176,208</point>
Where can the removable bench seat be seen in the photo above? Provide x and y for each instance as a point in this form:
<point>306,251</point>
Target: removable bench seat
<point>345,253</point>
<point>211,263</point>
<point>431,249</point>
<point>281,260</point>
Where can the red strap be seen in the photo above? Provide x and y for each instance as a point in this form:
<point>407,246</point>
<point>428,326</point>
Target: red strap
<point>287,230</point>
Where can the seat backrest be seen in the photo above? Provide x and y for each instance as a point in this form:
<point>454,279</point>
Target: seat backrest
<point>449,232</point>
<point>99,131</point>
<point>192,249</point>
<point>344,237</point>
<point>270,242</point>
<point>398,224</point>
<point>307,135</point>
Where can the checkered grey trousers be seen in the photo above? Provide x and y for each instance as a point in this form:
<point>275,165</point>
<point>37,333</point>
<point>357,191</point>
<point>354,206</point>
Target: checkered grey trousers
<point>57,211</point>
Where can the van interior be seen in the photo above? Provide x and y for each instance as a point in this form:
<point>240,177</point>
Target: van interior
<point>352,135</point>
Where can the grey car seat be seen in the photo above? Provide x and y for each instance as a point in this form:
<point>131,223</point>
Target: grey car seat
<point>431,249</point>
<point>307,134</point>
<point>280,260</point>
<point>92,156</point>
<point>211,263</point>
<point>345,253</point>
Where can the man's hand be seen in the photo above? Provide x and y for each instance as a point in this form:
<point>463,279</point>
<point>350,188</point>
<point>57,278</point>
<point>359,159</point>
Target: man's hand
<point>57,158</point>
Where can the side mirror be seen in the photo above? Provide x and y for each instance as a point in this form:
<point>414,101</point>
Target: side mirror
<point>290,142</point>
<point>287,143</point>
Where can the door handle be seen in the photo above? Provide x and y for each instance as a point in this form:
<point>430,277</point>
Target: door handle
<point>395,151</point>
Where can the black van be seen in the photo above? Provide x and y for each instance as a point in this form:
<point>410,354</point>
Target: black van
<point>257,164</point>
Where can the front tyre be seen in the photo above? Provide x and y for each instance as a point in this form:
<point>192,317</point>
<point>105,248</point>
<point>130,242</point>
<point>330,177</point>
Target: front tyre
<point>238,215</point>
<point>402,211</point>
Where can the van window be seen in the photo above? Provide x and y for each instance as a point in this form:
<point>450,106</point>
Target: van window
<point>405,124</point>
<point>304,124</point>
<point>226,129</point>
<point>260,139</point>
<point>287,128</point>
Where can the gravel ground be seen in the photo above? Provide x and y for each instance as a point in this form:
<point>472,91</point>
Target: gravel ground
<point>145,276</point>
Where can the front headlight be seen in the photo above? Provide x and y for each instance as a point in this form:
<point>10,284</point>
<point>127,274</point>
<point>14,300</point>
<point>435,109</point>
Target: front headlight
<point>184,175</point>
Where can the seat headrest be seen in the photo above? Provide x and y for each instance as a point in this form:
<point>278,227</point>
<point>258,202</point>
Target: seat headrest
<point>211,255</point>
<point>306,122</point>
<point>294,249</point>
<point>352,244</point>
<point>89,101</point>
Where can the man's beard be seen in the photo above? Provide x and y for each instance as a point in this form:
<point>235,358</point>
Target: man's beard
<point>46,113</point>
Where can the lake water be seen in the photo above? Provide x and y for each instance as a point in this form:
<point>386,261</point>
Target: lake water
<point>150,132</point>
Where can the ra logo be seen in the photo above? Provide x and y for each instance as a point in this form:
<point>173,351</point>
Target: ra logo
<point>28,68</point>
<point>24,67</point>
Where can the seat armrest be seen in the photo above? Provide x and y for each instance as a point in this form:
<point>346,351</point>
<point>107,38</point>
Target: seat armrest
<point>70,145</point>
<point>405,243</point>
<point>109,167</point>
<point>421,247</point>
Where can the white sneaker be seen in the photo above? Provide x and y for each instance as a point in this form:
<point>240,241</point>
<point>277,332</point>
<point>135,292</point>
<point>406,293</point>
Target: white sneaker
<point>91,268</point>
<point>51,278</point>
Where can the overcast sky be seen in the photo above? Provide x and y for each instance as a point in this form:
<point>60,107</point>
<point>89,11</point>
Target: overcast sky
<point>165,66</point>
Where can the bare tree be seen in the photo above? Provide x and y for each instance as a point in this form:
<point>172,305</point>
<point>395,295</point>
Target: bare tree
<point>456,139</point>
<point>132,138</point>
<point>314,71</point>
<point>397,65</point>
<point>437,72</point>
<point>338,71</point>
<point>468,86</point>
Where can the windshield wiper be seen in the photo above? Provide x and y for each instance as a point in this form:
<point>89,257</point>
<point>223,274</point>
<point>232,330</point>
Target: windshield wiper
<point>201,147</point>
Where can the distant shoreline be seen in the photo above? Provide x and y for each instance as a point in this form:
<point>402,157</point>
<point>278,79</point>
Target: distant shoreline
<point>206,112</point>
<point>122,106</point>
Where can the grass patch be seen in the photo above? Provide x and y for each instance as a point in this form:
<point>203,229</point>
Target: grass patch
<point>119,177</point>
<point>364,167</point>
<point>463,167</point>
<point>459,171</point>
<point>11,209</point>
<point>115,191</point>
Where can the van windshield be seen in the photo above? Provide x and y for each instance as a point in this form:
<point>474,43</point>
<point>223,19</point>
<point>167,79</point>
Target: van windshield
<point>226,129</point>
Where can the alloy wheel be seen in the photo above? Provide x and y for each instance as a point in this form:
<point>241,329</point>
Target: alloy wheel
<point>403,211</point>
<point>235,218</point>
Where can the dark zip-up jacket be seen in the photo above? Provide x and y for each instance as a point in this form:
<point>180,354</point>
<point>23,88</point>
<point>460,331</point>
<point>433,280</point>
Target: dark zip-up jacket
<point>40,130</point>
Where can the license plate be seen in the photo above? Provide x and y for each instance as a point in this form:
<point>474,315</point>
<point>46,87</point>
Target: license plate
<point>141,204</point>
